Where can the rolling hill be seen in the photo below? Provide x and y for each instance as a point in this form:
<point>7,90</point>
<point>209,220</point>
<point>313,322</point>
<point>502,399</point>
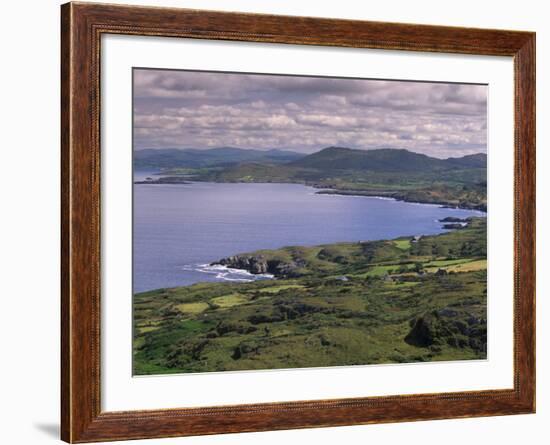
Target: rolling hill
<point>339,158</point>
<point>386,160</point>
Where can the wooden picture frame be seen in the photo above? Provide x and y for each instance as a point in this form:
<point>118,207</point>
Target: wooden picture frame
<point>82,26</point>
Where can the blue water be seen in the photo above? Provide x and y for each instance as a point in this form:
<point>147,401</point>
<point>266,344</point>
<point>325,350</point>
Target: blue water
<point>179,229</point>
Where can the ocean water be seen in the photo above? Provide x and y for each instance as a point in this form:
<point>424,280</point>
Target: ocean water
<point>180,229</point>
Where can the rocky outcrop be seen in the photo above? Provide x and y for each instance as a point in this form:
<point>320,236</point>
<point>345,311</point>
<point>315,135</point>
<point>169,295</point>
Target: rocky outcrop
<point>454,223</point>
<point>453,219</point>
<point>453,226</point>
<point>253,264</point>
<point>259,264</point>
<point>448,326</point>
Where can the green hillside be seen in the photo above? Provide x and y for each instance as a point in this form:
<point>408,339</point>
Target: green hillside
<point>393,301</point>
<point>385,160</point>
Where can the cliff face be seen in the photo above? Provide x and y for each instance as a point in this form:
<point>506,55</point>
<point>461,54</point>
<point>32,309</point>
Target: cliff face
<point>259,264</point>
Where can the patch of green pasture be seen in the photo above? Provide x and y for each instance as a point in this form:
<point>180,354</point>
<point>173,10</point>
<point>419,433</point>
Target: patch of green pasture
<point>277,289</point>
<point>471,266</point>
<point>192,308</point>
<point>403,244</point>
<point>144,329</point>
<point>229,300</point>
<point>439,263</point>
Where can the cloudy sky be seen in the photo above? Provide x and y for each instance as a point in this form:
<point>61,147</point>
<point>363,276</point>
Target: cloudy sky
<point>189,109</point>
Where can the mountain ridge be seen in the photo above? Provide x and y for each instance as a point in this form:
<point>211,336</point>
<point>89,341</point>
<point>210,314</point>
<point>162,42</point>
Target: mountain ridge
<point>169,158</point>
<point>329,158</point>
<point>384,159</point>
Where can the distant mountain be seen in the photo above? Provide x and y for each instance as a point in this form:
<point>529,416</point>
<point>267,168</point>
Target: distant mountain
<point>386,160</point>
<point>478,160</point>
<point>327,159</point>
<point>168,158</point>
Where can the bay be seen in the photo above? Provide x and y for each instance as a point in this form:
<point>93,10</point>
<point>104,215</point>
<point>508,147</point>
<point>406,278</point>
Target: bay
<point>179,229</point>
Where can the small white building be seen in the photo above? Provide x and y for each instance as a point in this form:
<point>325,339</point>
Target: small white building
<point>416,238</point>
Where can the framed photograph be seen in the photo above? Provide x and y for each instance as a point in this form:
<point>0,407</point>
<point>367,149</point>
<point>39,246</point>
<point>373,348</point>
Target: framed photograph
<point>274,222</point>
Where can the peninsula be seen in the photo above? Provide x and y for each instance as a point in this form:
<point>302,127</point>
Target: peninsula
<point>399,174</point>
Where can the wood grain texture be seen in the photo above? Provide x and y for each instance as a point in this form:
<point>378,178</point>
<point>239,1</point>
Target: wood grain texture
<point>81,28</point>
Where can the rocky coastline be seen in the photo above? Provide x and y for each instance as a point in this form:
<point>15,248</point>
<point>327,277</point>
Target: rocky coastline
<point>259,264</point>
<point>401,196</point>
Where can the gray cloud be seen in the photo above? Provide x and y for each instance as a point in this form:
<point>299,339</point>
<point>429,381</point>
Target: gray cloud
<point>186,109</point>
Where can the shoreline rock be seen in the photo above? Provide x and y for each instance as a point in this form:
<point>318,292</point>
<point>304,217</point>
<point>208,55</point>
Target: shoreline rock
<point>453,219</point>
<point>259,264</point>
<point>453,226</point>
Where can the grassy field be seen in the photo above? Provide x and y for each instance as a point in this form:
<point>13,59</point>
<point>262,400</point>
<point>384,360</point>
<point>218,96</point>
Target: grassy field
<point>392,301</point>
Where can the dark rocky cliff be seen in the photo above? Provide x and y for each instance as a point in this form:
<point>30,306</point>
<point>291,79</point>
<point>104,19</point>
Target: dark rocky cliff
<point>259,264</point>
